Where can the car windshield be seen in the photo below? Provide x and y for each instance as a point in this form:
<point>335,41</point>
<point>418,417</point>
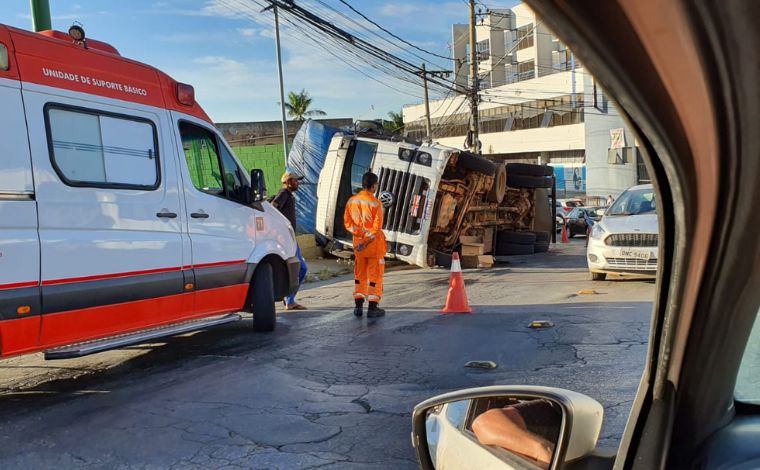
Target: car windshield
<point>748,381</point>
<point>633,202</point>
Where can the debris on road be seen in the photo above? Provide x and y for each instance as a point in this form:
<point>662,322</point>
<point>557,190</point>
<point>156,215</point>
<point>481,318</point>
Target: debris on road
<point>481,364</point>
<point>540,324</point>
<point>587,292</point>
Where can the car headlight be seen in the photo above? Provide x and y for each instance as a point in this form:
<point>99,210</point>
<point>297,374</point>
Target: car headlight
<point>597,231</point>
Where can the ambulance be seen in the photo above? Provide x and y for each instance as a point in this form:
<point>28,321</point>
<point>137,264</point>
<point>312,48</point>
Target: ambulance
<point>124,215</point>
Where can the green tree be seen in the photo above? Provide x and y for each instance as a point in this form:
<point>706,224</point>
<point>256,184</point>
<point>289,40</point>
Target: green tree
<point>396,122</point>
<point>298,106</point>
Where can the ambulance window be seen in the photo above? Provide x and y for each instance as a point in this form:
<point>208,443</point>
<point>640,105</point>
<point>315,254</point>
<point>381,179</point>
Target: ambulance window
<point>202,158</point>
<point>3,57</point>
<point>233,176</point>
<point>102,150</point>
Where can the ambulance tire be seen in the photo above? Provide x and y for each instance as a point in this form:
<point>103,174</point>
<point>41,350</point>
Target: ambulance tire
<point>262,299</point>
<point>528,169</point>
<point>523,181</point>
<point>471,162</point>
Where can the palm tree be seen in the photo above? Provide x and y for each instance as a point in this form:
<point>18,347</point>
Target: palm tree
<point>298,106</point>
<point>396,123</point>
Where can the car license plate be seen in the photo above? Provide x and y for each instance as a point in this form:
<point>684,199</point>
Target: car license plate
<point>635,254</point>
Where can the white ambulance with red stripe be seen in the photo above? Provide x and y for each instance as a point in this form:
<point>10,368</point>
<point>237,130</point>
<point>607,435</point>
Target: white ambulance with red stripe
<point>124,215</point>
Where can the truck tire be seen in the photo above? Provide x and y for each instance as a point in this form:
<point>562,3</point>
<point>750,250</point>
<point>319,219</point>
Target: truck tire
<point>529,170</point>
<point>543,220</point>
<point>541,247</point>
<point>262,299</point>
<point>598,276</point>
<point>542,237</point>
<point>515,238</point>
<point>476,163</point>
<point>499,188</point>
<point>508,249</point>
<point>523,181</point>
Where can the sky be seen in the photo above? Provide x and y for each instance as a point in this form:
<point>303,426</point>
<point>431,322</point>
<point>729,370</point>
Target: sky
<point>226,49</point>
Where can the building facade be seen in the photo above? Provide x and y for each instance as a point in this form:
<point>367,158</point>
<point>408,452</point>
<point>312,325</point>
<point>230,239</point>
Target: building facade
<point>537,104</point>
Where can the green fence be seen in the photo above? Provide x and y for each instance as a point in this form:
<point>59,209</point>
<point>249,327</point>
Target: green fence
<point>269,158</point>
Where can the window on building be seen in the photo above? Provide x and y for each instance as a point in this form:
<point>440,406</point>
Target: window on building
<point>526,70</point>
<point>525,37</point>
<point>90,148</point>
<point>483,49</point>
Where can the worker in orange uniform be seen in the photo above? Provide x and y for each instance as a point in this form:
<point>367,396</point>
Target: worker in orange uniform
<point>364,219</point>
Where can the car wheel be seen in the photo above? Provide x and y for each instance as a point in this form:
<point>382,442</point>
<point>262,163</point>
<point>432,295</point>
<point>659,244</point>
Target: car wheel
<point>522,181</point>
<point>598,276</point>
<point>467,161</point>
<point>262,299</point>
<point>529,170</point>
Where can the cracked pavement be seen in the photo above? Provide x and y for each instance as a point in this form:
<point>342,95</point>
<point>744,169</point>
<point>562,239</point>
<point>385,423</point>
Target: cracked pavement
<point>327,390</point>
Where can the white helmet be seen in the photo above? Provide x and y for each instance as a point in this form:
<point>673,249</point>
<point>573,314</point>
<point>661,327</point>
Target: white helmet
<point>386,199</point>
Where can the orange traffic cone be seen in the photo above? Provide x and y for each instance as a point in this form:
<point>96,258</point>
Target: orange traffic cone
<point>456,301</point>
<point>565,238</point>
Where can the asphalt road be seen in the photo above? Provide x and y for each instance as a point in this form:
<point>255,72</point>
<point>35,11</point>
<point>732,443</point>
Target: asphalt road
<point>328,390</point>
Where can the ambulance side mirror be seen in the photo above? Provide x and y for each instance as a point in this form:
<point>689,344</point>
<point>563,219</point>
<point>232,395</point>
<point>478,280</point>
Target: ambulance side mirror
<point>258,185</point>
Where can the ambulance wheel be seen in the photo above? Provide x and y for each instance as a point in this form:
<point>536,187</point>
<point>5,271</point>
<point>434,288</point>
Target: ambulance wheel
<point>262,299</point>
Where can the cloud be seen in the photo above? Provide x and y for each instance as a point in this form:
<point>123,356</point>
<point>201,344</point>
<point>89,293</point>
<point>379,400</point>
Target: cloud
<point>232,36</point>
<point>247,32</point>
<point>159,5</point>
<point>398,9</point>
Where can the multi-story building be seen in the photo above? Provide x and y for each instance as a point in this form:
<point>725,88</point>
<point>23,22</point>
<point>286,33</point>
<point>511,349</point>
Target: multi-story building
<point>537,103</point>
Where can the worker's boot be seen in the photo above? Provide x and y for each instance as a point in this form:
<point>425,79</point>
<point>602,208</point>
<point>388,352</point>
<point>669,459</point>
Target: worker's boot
<point>374,311</point>
<point>359,307</point>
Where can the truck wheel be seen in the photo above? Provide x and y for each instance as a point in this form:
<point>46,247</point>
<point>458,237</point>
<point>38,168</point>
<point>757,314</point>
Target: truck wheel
<point>541,247</point>
<point>515,238</point>
<point>523,181</point>
<point>529,170</point>
<point>598,276</point>
<point>507,249</point>
<point>262,299</point>
<point>499,188</point>
<point>467,161</point>
<point>542,237</point>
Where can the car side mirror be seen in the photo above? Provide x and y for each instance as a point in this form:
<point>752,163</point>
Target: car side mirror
<point>505,427</point>
<point>258,185</point>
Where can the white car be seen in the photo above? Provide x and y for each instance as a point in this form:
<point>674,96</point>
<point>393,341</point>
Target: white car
<point>625,240</point>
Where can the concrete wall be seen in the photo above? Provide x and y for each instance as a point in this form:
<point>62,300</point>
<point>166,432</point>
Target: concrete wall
<point>604,178</point>
<point>570,137</point>
<point>267,132</point>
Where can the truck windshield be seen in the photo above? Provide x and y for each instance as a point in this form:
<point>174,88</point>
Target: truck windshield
<point>358,161</point>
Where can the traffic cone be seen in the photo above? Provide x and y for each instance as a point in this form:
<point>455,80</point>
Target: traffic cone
<point>565,238</point>
<point>456,300</point>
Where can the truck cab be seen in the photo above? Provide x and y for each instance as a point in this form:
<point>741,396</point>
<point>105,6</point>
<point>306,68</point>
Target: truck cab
<point>440,194</point>
<point>122,208</point>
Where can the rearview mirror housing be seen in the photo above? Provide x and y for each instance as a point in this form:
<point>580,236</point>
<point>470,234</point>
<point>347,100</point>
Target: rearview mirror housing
<point>571,434</point>
<point>258,185</point>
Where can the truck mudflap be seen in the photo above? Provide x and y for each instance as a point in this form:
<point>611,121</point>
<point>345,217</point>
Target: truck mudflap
<point>294,267</point>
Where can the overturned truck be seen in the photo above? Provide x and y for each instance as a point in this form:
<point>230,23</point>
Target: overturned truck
<point>444,200</point>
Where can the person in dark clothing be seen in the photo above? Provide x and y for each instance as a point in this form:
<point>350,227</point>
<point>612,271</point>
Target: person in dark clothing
<point>285,202</point>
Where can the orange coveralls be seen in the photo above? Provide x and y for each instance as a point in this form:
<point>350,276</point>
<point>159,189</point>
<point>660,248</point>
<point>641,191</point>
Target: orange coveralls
<point>364,219</point>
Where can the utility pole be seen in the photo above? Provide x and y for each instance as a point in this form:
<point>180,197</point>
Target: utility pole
<point>474,84</point>
<point>40,15</point>
<point>424,72</point>
<point>273,7</point>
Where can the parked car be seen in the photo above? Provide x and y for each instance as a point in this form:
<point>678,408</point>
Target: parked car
<point>568,205</point>
<point>626,241</point>
<point>125,214</point>
<point>576,219</point>
<point>682,69</point>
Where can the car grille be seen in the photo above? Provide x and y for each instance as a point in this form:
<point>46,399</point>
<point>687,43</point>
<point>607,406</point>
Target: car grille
<point>409,191</point>
<point>631,239</point>
<point>632,263</point>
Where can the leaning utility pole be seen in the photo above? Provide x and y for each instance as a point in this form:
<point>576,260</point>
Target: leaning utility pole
<point>273,7</point>
<point>424,74</point>
<point>474,84</point>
